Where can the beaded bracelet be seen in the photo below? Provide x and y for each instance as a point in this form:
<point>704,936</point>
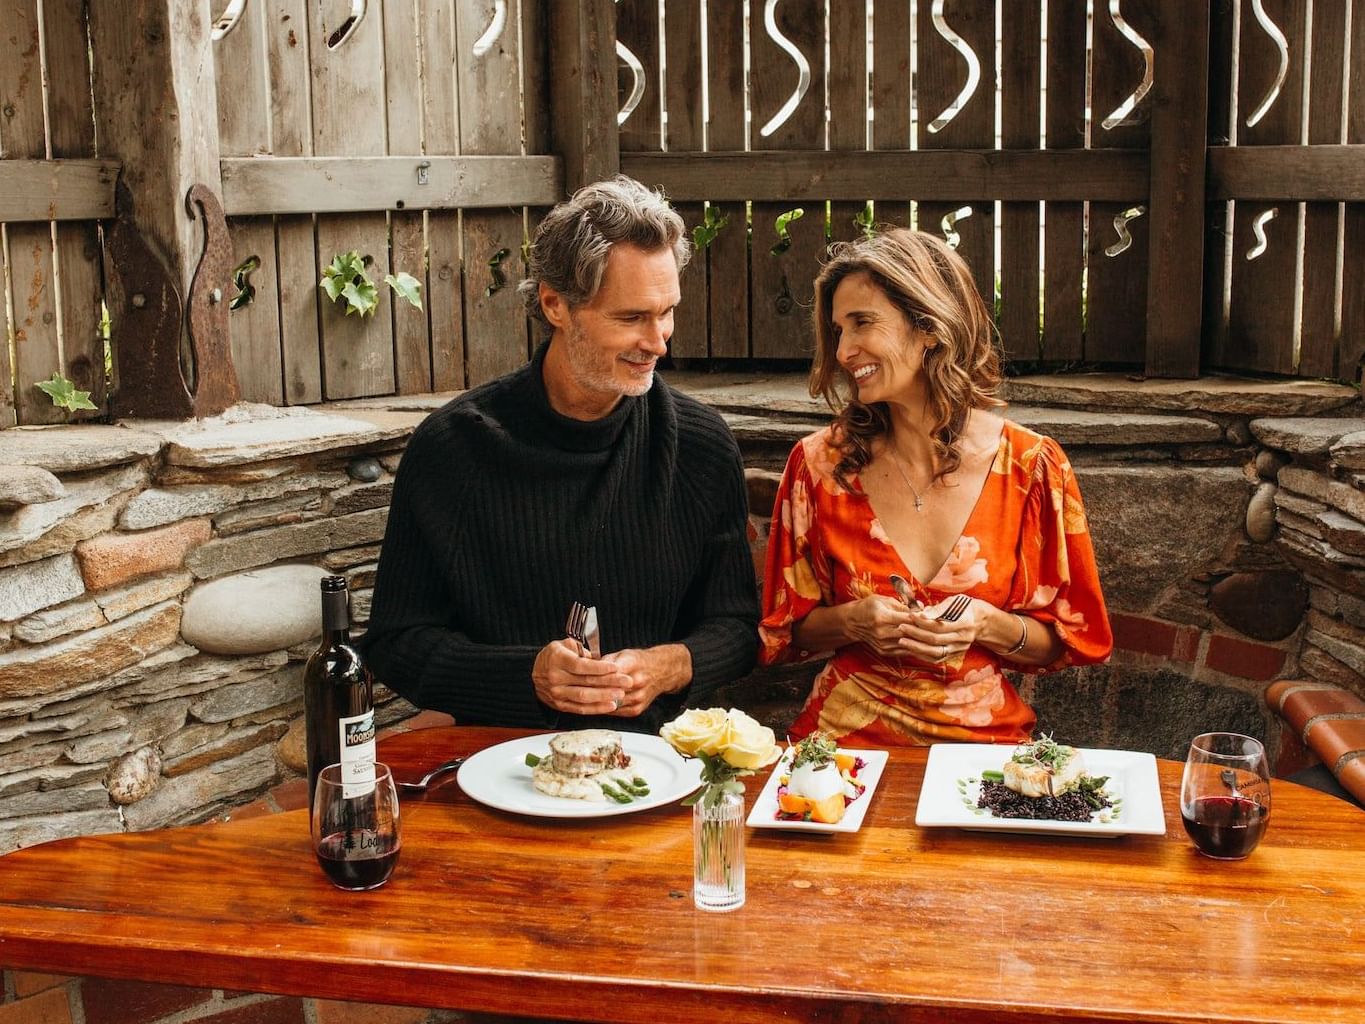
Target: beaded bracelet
<point>1023,638</point>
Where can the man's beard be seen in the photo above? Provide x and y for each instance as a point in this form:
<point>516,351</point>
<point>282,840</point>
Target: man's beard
<point>594,370</point>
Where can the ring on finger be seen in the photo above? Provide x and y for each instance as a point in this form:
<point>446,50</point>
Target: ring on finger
<point>942,652</point>
<point>616,705</point>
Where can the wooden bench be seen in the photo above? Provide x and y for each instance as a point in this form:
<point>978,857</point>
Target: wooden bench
<point>1326,721</point>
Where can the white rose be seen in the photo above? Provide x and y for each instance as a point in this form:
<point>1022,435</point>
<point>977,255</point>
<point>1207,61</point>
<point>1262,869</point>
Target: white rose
<point>698,732</point>
<point>751,745</point>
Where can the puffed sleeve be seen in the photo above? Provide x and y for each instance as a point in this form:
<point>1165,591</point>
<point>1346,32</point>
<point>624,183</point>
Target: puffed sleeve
<point>1057,580</point>
<point>796,577</point>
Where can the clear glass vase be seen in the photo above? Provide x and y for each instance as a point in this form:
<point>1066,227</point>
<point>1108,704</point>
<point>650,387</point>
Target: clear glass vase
<point>718,850</point>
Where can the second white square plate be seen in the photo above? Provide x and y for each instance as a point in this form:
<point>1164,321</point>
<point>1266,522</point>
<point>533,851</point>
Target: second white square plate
<point>952,780</point>
<point>764,813</point>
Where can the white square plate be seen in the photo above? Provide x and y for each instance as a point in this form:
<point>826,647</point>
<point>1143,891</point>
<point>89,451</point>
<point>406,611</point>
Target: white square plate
<point>952,781</point>
<point>764,813</point>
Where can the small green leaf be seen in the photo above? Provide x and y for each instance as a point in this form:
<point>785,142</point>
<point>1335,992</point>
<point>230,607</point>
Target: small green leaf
<point>241,280</point>
<point>784,238</point>
<point>495,271</point>
<point>407,286</point>
<point>64,393</point>
<point>361,297</point>
<point>863,220</point>
<point>711,224</point>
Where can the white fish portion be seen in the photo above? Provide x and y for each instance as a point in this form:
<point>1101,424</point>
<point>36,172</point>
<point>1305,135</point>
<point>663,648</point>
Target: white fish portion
<point>1036,779</point>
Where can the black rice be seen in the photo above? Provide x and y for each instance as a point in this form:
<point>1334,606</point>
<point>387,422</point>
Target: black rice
<point>1004,802</point>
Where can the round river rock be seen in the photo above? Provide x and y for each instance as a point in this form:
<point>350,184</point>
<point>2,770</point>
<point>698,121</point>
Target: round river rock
<point>255,611</point>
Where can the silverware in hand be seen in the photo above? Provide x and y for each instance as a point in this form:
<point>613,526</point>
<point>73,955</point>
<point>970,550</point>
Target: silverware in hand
<point>955,608</point>
<point>904,592</point>
<point>582,626</point>
<point>420,786</point>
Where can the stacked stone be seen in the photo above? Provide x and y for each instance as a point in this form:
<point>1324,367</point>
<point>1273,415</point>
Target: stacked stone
<point>1315,473</point>
<point>158,596</point>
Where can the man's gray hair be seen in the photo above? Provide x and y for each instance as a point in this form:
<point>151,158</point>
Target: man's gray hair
<point>574,240</point>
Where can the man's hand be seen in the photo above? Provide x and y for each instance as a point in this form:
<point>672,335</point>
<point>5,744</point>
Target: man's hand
<point>651,672</point>
<point>567,679</point>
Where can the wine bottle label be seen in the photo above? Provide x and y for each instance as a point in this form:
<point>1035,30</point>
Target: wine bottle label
<point>357,755</point>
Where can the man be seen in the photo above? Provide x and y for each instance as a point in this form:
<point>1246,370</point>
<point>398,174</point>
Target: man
<point>578,477</point>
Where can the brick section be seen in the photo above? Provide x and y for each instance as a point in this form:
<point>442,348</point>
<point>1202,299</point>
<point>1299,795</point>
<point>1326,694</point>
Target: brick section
<point>1277,693</point>
<point>327,1011</point>
<point>1302,706</point>
<point>110,1001</point>
<point>1186,646</point>
<point>1333,739</point>
<point>115,558</point>
<point>1142,635</point>
<point>271,1011</point>
<point>50,1007</point>
<point>1294,756</point>
<point>1352,778</point>
<point>1243,658</point>
<point>26,983</point>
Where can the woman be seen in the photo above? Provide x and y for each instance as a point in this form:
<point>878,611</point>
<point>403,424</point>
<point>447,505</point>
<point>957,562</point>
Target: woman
<point>918,478</point>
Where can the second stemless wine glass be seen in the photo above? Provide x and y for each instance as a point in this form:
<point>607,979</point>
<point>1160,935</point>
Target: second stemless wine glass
<point>1225,794</point>
<point>355,834</point>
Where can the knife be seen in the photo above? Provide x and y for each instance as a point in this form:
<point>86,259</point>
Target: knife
<point>591,634</point>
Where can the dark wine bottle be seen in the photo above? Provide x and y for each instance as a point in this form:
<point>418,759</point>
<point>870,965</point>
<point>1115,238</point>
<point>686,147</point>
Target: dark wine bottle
<point>338,700</point>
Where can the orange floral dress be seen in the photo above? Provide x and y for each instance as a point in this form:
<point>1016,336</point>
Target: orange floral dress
<point>1026,547</point>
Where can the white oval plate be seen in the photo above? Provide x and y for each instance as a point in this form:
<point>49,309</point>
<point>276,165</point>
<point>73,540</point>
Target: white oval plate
<point>498,777</point>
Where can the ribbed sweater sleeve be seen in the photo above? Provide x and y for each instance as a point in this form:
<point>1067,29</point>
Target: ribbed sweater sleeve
<point>413,644</point>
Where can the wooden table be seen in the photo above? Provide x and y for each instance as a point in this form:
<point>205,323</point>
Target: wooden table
<point>593,920</point>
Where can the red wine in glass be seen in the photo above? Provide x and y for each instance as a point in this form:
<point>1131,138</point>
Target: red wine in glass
<point>1228,827</point>
<point>361,859</point>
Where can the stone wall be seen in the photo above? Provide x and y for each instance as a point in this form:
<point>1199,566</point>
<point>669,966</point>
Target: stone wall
<point>158,586</point>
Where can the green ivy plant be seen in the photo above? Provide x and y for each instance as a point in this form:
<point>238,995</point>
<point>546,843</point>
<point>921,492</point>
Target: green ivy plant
<point>347,283</point>
<point>65,394</point>
<point>784,238</point>
<point>711,224</point>
<point>863,220</point>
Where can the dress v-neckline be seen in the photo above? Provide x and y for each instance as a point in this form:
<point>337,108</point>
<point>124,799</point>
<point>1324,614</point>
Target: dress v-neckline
<point>962,531</point>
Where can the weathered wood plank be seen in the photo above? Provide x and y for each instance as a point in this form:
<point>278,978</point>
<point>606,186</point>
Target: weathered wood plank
<point>847,86</point>
<point>287,43</point>
<point>242,70</point>
<point>728,256</point>
<point>583,103</point>
<point>891,91</point>
<point>682,99</point>
<point>347,76</point>
<point>1116,285</point>
<point>71,133</point>
<point>406,76</point>
<point>336,184</point>
<point>938,175</point>
<point>1218,215</point>
<point>60,190</point>
<point>1317,356</point>
<point>1261,323</point>
<point>1314,173</point>
<point>255,327</point>
<point>637,29</point>
<point>1020,86</point>
<point>37,338</point>
<point>1351,350</point>
<point>780,283</point>
<point>7,413</point>
<point>1064,223</point>
<point>952,118</point>
<point>1179,105</point>
<point>496,339</point>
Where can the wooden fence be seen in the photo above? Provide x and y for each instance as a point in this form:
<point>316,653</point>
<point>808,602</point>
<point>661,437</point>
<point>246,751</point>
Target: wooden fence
<point>1091,159</point>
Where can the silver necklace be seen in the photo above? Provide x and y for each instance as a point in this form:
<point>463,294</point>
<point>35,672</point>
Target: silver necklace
<point>905,475</point>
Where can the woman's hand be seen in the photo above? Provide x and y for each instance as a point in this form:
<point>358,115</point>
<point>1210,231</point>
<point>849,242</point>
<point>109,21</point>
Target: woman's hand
<point>874,620</point>
<point>931,639</point>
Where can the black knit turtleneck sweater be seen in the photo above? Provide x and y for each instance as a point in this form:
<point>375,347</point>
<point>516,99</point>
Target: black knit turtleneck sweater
<point>505,512</point>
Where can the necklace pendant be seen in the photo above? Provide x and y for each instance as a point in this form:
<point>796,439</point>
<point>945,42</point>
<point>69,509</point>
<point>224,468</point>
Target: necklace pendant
<point>919,503</point>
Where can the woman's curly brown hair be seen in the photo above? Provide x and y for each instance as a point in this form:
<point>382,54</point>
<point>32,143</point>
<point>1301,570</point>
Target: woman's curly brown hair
<point>931,285</point>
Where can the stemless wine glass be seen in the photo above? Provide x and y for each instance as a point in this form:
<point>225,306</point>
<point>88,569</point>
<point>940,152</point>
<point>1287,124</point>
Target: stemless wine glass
<point>1225,794</point>
<point>356,837</point>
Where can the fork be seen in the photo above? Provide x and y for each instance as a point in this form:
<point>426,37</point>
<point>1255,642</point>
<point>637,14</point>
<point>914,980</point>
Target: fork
<point>955,608</point>
<point>578,618</point>
<point>420,786</point>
